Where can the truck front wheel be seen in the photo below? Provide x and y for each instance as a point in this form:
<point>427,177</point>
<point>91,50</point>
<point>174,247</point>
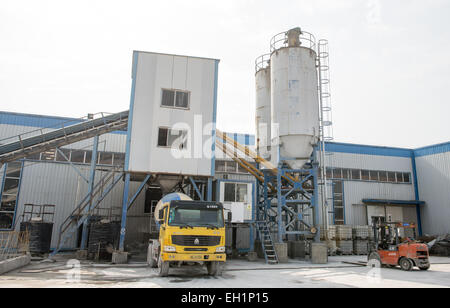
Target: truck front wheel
<point>151,259</point>
<point>214,268</point>
<point>163,268</point>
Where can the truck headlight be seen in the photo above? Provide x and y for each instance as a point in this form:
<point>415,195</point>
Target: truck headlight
<point>169,249</point>
<point>220,249</point>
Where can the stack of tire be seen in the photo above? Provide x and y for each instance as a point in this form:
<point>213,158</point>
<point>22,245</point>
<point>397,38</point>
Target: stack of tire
<point>40,233</point>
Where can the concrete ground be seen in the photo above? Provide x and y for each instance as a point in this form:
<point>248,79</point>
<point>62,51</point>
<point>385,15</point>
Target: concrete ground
<point>237,274</point>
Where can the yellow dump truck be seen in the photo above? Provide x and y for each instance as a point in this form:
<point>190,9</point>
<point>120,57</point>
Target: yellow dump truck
<point>189,232</point>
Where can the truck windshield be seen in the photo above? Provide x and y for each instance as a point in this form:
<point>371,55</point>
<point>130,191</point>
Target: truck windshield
<point>196,217</point>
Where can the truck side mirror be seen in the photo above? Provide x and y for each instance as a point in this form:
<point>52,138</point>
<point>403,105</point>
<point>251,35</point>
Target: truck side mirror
<point>229,216</point>
<point>161,214</point>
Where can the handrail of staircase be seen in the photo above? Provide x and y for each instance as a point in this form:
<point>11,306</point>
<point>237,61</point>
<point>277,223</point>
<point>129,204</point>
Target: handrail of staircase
<point>85,201</point>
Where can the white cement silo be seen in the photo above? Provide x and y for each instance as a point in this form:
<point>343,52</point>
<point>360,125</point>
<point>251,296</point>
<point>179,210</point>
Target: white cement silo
<point>263,106</point>
<point>294,97</point>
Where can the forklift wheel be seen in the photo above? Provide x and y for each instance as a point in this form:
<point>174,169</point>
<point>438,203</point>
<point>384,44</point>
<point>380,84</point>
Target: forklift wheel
<point>424,268</point>
<point>406,264</point>
<point>374,259</point>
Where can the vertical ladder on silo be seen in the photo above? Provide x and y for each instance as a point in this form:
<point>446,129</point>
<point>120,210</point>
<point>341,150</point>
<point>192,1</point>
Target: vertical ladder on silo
<point>266,242</point>
<point>325,128</point>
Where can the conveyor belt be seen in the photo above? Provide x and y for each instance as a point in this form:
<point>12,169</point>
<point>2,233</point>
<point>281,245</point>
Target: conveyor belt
<point>24,147</point>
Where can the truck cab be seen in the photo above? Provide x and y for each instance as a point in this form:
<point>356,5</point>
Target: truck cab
<point>189,232</point>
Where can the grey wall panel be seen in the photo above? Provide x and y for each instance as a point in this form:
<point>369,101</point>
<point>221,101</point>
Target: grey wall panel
<point>59,184</point>
<point>138,230</point>
<point>355,192</point>
<point>433,173</point>
<point>243,238</point>
<point>370,162</point>
<point>155,72</point>
<point>51,183</point>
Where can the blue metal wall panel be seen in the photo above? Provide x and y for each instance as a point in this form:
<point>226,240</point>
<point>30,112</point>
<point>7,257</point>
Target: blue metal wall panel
<point>367,149</point>
<point>432,149</point>
<point>38,121</point>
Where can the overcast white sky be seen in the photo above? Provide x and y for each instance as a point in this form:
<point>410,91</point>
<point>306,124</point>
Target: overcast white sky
<point>390,60</point>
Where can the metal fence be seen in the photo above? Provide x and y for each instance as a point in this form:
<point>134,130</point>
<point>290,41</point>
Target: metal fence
<point>13,244</point>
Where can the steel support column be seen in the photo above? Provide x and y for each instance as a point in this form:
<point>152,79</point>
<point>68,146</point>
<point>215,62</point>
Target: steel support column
<point>209,190</point>
<point>123,224</point>
<point>315,205</point>
<point>84,237</point>
<point>280,205</point>
<point>131,202</point>
<point>297,199</point>
<point>199,194</point>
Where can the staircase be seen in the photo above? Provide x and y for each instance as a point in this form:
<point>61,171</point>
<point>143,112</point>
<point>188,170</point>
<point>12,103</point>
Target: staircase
<point>266,242</point>
<point>87,206</point>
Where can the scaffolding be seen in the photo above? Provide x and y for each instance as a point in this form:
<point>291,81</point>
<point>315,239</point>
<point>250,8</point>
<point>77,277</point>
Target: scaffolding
<point>287,199</point>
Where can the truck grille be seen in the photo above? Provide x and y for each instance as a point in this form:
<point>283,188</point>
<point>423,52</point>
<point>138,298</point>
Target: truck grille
<point>195,249</point>
<point>195,240</point>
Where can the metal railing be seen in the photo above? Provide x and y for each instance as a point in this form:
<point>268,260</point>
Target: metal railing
<point>47,129</point>
<point>280,40</point>
<point>40,140</point>
<point>88,206</point>
<point>81,209</point>
<point>262,62</point>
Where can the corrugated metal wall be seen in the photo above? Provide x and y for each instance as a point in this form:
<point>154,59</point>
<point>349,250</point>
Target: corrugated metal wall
<point>356,191</point>
<point>370,162</point>
<point>58,184</point>
<point>433,173</point>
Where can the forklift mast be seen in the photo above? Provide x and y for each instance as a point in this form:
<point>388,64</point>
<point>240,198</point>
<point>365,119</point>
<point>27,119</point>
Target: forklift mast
<point>386,233</point>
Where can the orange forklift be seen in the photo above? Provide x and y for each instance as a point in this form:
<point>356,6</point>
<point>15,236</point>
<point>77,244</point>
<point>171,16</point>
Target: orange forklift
<point>390,250</point>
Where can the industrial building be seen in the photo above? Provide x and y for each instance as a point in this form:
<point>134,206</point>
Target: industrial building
<point>404,184</point>
<point>123,164</point>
